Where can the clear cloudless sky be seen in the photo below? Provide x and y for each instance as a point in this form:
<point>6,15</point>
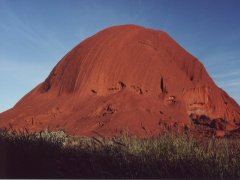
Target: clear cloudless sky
<point>36,34</point>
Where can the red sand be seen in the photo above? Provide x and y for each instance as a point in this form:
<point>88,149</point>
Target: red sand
<point>125,78</point>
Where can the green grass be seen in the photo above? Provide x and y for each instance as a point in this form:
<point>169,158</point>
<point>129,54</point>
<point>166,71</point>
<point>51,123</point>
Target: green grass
<point>56,155</point>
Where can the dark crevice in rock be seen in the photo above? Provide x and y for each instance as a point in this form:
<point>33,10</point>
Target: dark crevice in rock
<point>142,126</point>
<point>162,86</point>
<point>108,110</point>
<point>191,78</point>
<point>137,89</point>
<point>93,91</point>
<point>171,99</point>
<point>121,84</point>
<point>236,121</point>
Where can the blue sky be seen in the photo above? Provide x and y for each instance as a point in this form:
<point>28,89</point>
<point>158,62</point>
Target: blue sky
<point>36,34</point>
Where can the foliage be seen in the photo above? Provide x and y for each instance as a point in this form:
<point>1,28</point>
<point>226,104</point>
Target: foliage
<point>56,155</point>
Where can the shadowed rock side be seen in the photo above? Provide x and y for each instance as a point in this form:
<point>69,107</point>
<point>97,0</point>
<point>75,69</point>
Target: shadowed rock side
<point>125,78</point>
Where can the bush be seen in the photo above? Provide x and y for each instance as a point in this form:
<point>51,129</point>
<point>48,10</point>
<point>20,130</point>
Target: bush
<point>56,155</point>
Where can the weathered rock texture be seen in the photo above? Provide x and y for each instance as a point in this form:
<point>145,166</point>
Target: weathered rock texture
<point>125,78</point>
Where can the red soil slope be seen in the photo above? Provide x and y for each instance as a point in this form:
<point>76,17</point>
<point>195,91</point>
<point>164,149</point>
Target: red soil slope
<point>125,78</point>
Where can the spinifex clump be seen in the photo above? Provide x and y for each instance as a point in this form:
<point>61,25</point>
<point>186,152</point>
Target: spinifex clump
<point>56,155</point>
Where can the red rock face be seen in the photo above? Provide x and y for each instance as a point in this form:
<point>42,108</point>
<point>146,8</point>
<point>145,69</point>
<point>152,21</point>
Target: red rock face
<point>125,78</point>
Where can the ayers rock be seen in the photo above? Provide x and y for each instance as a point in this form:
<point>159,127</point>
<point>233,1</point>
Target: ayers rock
<point>125,78</point>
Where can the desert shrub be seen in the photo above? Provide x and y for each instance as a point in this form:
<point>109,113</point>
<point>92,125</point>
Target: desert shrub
<point>57,136</point>
<point>56,155</point>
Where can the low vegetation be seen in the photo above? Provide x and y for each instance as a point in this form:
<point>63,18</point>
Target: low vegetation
<point>56,155</point>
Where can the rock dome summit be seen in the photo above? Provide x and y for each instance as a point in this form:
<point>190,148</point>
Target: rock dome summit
<point>125,78</point>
